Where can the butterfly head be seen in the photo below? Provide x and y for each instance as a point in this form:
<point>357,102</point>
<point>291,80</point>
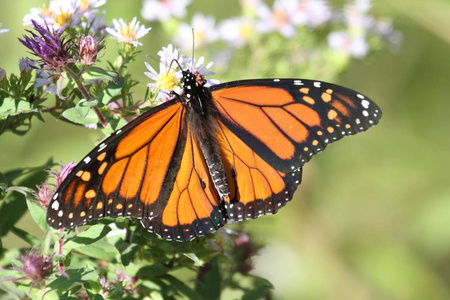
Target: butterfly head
<point>194,80</point>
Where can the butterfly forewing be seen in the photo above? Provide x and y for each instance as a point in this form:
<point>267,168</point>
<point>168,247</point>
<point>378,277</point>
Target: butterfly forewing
<point>123,175</point>
<point>287,121</point>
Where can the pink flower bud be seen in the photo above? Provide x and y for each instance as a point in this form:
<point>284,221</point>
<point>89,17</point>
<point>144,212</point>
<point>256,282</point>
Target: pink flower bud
<point>88,50</point>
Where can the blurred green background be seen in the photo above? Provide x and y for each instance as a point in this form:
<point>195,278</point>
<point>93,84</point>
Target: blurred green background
<point>371,219</point>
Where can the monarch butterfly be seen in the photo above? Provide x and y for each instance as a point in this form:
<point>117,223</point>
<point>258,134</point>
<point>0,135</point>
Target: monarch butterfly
<point>231,152</point>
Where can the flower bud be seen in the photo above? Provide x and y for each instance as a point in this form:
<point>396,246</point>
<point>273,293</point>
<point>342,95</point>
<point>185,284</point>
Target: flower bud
<point>88,50</point>
<point>36,266</point>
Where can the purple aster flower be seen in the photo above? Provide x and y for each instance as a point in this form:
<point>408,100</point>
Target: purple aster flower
<point>36,266</point>
<point>26,65</point>
<point>50,46</point>
<point>50,81</point>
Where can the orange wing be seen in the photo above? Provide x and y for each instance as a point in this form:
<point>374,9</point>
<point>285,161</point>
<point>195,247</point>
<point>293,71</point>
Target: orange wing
<point>126,175</point>
<point>193,208</point>
<point>270,128</point>
<point>256,188</point>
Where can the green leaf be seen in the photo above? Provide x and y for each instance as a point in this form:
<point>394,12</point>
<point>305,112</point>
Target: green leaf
<point>82,113</point>
<point>89,236</point>
<point>113,125</point>
<point>209,280</point>
<point>11,107</point>
<point>38,213</point>
<point>19,124</point>
<point>183,288</point>
<point>187,251</point>
<point>93,287</point>
<point>10,288</point>
<point>260,290</point>
<point>95,73</point>
<point>12,209</point>
<point>14,206</point>
<point>127,251</point>
<point>152,271</point>
<point>3,185</point>
<point>100,250</point>
<point>112,90</point>
<point>62,283</point>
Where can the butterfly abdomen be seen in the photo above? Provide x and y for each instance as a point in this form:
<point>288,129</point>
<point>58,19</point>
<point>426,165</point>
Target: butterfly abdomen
<point>204,126</point>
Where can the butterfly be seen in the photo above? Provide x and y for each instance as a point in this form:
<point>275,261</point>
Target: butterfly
<point>230,152</point>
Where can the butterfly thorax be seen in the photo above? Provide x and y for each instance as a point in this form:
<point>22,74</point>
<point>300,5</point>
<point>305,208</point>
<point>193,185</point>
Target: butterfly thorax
<point>201,116</point>
<point>195,92</point>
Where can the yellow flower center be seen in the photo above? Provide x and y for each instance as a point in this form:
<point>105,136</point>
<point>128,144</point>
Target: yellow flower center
<point>246,31</point>
<point>128,34</point>
<point>63,18</point>
<point>167,81</point>
<point>200,37</point>
<point>84,5</point>
<point>45,11</point>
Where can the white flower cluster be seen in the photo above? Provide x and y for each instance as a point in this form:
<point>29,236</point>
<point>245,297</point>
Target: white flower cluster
<point>69,13</point>
<point>166,81</point>
<point>284,17</point>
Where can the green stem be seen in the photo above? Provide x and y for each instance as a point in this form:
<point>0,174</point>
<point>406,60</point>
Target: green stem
<point>85,93</point>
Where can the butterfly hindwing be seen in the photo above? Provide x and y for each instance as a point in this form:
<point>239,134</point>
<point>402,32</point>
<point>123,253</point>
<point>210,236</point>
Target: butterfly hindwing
<point>193,207</point>
<point>256,188</point>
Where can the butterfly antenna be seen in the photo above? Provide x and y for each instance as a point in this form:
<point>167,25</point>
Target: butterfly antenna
<point>177,62</point>
<point>157,60</point>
